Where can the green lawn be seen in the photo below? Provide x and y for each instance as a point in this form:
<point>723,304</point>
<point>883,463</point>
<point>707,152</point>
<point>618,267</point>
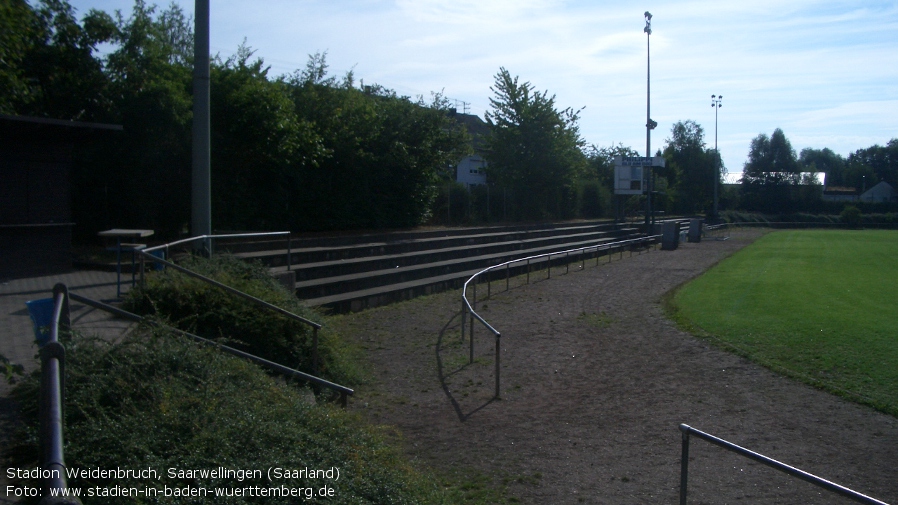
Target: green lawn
<point>817,305</point>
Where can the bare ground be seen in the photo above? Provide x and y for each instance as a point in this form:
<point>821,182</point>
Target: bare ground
<point>594,382</point>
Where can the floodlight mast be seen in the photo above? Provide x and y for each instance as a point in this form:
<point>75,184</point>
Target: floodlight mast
<point>716,103</point>
<point>649,124</point>
<point>201,189</point>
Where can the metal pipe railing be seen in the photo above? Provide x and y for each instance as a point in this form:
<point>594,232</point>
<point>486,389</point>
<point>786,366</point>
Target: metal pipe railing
<point>290,372</point>
<point>468,308</point>
<point>262,303</point>
<point>772,463</point>
<point>210,238</point>
<point>52,400</point>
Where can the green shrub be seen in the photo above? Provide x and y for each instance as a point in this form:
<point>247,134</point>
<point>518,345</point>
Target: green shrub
<point>161,401</point>
<point>208,311</point>
<point>851,216</point>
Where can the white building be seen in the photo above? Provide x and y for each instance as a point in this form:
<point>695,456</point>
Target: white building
<point>469,170</point>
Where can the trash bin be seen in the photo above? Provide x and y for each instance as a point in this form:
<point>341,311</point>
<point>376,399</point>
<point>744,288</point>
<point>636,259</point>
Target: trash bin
<point>159,253</point>
<point>41,312</point>
<point>695,230</point>
<point>670,235</point>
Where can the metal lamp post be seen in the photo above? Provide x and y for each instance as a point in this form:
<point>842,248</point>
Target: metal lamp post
<point>201,183</point>
<point>716,103</point>
<point>649,124</point>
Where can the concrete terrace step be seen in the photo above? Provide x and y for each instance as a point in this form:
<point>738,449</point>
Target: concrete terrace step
<point>357,281</point>
<point>373,297</point>
<point>316,270</point>
<point>352,272</point>
<point>274,253</point>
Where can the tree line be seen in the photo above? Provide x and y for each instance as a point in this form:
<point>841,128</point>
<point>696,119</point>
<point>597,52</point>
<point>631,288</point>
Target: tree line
<point>304,151</point>
<point>312,151</point>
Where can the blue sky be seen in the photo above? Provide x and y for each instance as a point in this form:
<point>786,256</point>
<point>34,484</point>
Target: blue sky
<point>823,71</point>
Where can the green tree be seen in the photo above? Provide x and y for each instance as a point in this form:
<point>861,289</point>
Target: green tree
<point>533,149</point>
<point>141,177</point>
<point>877,163</point>
<point>19,25</point>
<point>260,146</point>
<point>600,161</point>
<point>382,153</point>
<point>48,67</point>
<point>691,168</point>
<point>770,174</point>
<point>823,160</point>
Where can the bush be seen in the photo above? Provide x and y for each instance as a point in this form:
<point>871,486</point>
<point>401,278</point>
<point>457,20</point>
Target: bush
<point>851,216</point>
<point>208,311</point>
<point>161,401</point>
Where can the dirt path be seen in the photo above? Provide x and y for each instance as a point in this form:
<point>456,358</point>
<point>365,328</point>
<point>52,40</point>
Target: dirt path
<point>595,381</point>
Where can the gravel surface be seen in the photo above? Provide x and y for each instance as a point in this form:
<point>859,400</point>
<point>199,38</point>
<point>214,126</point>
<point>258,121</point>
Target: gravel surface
<point>594,382</point>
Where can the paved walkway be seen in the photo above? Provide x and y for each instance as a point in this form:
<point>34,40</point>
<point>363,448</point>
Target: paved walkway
<point>17,333</point>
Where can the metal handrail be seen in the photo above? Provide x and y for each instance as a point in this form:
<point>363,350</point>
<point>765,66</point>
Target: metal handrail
<point>229,235</point>
<point>145,254</point>
<point>290,372</point>
<point>52,400</point>
<point>795,472</point>
<point>469,308</point>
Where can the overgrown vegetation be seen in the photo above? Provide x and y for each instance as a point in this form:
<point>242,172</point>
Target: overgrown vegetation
<point>156,400</point>
<point>816,305</point>
<point>205,310</point>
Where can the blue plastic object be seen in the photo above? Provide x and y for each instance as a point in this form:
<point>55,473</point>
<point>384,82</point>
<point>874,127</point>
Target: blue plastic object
<point>41,312</point>
<point>159,253</point>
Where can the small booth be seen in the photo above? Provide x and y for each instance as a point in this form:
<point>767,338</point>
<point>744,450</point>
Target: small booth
<point>35,193</point>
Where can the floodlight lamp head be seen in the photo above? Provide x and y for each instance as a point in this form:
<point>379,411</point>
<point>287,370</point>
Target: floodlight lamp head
<point>648,15</point>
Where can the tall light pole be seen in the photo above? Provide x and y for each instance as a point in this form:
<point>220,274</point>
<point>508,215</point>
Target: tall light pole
<point>716,103</point>
<point>201,184</point>
<point>649,124</point>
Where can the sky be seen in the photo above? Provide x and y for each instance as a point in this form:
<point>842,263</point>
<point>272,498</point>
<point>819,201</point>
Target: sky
<point>825,72</point>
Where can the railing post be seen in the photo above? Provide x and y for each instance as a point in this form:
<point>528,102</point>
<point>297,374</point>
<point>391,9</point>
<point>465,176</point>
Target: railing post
<point>549,267</point>
<point>464,315</point>
<point>315,351</point>
<point>567,262</point>
<point>498,346</point>
<point>289,251</point>
<point>506,276</point>
<point>471,322</point>
<point>684,464</point>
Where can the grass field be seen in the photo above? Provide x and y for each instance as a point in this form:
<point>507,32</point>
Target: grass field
<point>816,305</point>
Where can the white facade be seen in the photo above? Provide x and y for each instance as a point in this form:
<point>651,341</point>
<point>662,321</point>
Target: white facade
<point>470,171</point>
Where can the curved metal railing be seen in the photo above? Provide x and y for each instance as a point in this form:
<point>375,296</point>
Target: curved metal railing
<point>469,308</point>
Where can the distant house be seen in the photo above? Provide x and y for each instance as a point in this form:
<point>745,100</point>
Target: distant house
<point>470,170</point>
<point>880,193</point>
<point>839,194</point>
